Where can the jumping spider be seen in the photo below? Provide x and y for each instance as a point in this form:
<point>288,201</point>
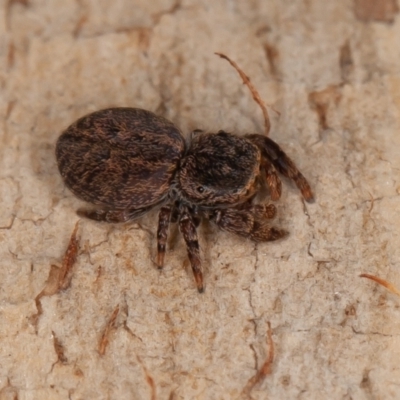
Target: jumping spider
<point>128,161</point>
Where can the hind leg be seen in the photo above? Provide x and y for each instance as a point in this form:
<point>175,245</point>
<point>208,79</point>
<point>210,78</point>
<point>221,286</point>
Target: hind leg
<point>113,216</point>
<point>164,218</point>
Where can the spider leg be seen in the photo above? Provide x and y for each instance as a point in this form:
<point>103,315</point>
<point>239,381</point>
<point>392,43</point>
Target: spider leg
<point>114,216</point>
<point>187,227</point>
<point>260,211</point>
<point>282,163</point>
<point>272,178</point>
<point>162,233</point>
<point>195,213</point>
<point>250,222</point>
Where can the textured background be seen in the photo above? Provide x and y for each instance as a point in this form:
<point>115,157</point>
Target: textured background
<point>332,69</point>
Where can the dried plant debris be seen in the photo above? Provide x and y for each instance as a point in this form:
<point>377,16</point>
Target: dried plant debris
<point>9,392</point>
<point>59,277</point>
<point>389,286</point>
<point>59,349</point>
<point>253,90</point>
<point>150,380</point>
<point>321,101</point>
<point>105,337</point>
<point>346,62</point>
<point>265,369</point>
<point>376,10</point>
<point>127,161</point>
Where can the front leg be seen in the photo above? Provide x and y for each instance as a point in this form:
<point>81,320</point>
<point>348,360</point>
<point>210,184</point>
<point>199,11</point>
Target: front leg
<point>250,221</point>
<point>272,152</point>
<point>273,181</point>
<point>187,227</point>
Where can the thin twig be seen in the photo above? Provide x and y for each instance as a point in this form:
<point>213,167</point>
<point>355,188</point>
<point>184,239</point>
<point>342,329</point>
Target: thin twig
<point>393,289</point>
<point>264,370</point>
<point>253,90</point>
<point>105,337</point>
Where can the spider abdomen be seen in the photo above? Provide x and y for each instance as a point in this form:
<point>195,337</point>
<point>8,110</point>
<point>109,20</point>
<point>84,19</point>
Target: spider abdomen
<point>121,158</point>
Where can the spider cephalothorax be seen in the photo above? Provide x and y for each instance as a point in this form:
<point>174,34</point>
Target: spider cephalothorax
<point>219,169</point>
<point>128,161</point>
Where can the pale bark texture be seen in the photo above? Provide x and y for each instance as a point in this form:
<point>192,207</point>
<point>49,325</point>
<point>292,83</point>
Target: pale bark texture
<point>114,327</point>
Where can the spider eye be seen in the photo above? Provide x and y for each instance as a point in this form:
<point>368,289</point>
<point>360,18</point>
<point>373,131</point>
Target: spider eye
<point>200,189</point>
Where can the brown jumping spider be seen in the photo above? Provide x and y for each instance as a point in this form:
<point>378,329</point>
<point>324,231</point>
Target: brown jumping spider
<point>128,161</point>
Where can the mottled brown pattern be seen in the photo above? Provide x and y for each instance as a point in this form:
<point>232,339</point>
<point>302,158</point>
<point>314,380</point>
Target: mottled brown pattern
<point>120,158</point>
<point>219,169</point>
<point>127,161</point>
